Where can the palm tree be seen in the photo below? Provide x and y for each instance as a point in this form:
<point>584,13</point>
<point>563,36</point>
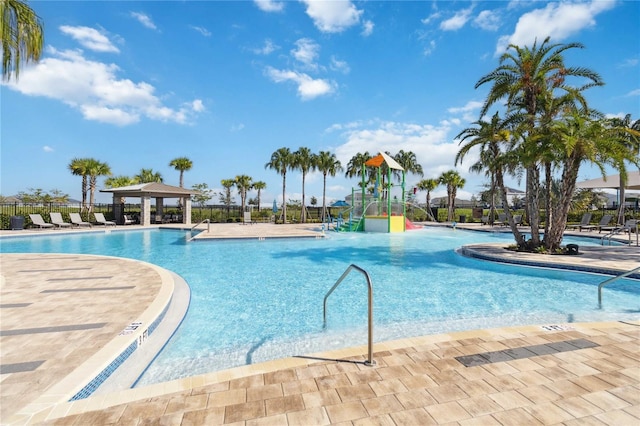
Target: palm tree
<point>281,161</point>
<point>95,169</point>
<point>148,175</point>
<point>409,163</point>
<point>244,184</point>
<point>629,137</point>
<point>305,161</point>
<point>259,186</point>
<point>428,185</point>
<point>354,166</point>
<point>490,137</point>
<point>79,167</point>
<point>527,78</point>
<point>328,164</point>
<point>182,164</point>
<point>22,36</point>
<point>453,181</point>
<point>225,197</point>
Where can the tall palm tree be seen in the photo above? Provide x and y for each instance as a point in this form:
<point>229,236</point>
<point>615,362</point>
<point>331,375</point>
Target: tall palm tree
<point>409,163</point>
<point>182,164</point>
<point>22,36</point>
<point>328,164</point>
<point>453,181</point>
<point>80,167</point>
<point>244,184</point>
<point>428,185</point>
<point>95,169</point>
<point>281,160</point>
<point>526,77</point>
<point>629,137</point>
<point>225,196</point>
<point>259,186</point>
<point>494,141</point>
<point>305,161</point>
<point>354,166</point>
<point>148,175</point>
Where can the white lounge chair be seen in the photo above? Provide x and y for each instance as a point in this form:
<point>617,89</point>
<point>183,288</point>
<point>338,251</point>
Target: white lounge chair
<point>39,221</point>
<point>604,222</point>
<point>77,220</point>
<point>100,220</point>
<point>127,220</point>
<point>629,225</point>
<point>56,219</point>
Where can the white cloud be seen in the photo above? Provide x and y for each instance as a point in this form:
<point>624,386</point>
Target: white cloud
<point>237,127</point>
<point>94,89</point>
<point>268,48</point>
<point>306,51</point>
<point>557,20</point>
<point>90,38</point>
<point>629,63</point>
<point>144,20</point>
<point>367,28</point>
<point>468,107</point>
<point>457,21</point>
<point>338,65</point>
<point>428,50</point>
<point>47,148</point>
<point>432,17</point>
<point>269,5</point>
<point>308,88</point>
<point>332,16</point>
<point>433,148</point>
<point>633,93</point>
<point>202,30</point>
<point>487,20</point>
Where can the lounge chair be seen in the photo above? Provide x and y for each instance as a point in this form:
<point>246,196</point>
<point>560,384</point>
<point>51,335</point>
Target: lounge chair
<point>502,220</point>
<point>604,221</point>
<point>100,220</point>
<point>56,219</point>
<point>246,220</point>
<point>629,224</point>
<point>77,220</point>
<point>517,219</point>
<point>39,221</point>
<point>127,220</point>
<point>484,220</point>
<point>586,218</point>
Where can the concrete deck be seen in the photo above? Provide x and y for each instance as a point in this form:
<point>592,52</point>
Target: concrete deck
<point>63,317</point>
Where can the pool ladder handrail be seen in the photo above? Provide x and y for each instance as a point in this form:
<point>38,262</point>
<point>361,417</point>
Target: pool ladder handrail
<point>207,221</point>
<point>370,361</point>
<point>612,279</point>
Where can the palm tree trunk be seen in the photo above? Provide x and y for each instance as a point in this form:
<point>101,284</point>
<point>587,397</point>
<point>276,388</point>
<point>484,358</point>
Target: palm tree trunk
<point>324,197</point>
<point>561,208</point>
<point>620,213</point>
<point>303,213</point>
<point>514,228</point>
<point>533,200</point>
<point>284,203</point>
<point>547,201</point>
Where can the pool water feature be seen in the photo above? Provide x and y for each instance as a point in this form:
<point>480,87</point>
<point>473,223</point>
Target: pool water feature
<point>253,301</point>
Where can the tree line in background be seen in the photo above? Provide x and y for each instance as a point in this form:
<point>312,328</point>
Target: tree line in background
<point>544,127</point>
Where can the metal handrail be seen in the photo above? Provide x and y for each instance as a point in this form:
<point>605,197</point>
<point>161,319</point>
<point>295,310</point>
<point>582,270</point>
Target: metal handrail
<point>369,362</point>
<point>207,221</point>
<point>610,280</point>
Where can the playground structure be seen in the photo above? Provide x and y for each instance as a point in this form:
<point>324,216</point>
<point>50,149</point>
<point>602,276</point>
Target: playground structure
<point>377,212</point>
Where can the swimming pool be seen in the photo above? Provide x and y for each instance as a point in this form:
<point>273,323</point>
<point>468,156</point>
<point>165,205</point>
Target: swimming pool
<point>254,301</point>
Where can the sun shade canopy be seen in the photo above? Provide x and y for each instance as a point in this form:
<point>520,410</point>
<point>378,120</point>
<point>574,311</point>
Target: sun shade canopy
<point>612,181</point>
<point>384,158</point>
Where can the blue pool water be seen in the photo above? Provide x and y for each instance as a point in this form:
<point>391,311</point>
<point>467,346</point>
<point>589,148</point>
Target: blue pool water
<point>254,301</point>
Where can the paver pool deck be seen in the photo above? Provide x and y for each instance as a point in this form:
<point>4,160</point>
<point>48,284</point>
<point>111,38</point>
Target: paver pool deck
<point>64,317</point>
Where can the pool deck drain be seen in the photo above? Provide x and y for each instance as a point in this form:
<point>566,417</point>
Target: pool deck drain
<point>416,380</point>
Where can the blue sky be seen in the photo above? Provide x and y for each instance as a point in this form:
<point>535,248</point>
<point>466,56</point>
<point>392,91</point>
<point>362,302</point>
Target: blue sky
<point>138,83</point>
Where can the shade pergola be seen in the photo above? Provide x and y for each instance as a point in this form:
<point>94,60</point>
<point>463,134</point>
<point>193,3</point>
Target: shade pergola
<point>611,182</point>
<point>146,191</point>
